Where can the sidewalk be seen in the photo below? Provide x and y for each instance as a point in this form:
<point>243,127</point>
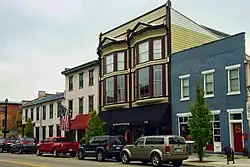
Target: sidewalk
<point>212,160</point>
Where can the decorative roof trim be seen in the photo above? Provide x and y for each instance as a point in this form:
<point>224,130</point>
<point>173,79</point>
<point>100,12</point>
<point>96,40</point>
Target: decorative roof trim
<point>80,67</point>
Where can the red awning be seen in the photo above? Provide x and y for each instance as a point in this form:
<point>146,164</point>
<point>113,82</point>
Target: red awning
<point>80,122</point>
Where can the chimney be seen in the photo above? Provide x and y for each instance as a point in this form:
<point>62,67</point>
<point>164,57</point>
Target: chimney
<point>41,94</point>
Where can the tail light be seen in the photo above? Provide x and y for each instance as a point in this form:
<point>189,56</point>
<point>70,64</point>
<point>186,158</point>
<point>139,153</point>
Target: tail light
<point>5,142</point>
<point>167,149</point>
<point>107,147</point>
<point>25,142</point>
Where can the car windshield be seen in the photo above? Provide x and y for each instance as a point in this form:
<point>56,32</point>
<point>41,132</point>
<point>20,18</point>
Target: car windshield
<point>60,140</point>
<point>10,140</point>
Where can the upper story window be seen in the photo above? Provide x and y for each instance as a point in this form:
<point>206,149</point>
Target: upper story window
<point>70,107</point>
<point>121,88</point>
<point>32,114</point>
<point>91,103</point>
<point>80,80</point>
<point>44,112</point>
<point>208,82</point>
<point>58,109</point>
<point>70,83</point>
<point>149,82</point>
<point>37,114</point>
<point>120,61</point>
<point>109,63</point>
<point>143,52</point>
<point>81,105</point>
<point>26,114</point>
<point>233,74</point>
<point>51,111</point>
<point>157,49</point>
<point>91,77</point>
<point>184,87</point>
<point>110,92</point>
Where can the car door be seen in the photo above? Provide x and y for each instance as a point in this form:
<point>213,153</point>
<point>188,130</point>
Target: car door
<point>16,145</point>
<point>90,147</point>
<point>137,148</point>
<point>44,146</point>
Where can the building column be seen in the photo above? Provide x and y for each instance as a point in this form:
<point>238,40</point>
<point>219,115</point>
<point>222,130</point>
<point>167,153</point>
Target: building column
<point>76,136</point>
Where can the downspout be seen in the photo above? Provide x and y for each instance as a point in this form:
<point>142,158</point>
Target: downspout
<point>129,65</point>
<point>99,52</point>
<point>169,52</point>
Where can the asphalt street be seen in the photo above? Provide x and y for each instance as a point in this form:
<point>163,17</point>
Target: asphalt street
<point>31,160</point>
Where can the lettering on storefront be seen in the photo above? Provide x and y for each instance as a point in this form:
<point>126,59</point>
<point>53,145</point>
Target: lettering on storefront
<point>121,124</point>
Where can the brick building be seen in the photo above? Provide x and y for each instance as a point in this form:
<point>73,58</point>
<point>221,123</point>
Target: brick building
<point>13,110</point>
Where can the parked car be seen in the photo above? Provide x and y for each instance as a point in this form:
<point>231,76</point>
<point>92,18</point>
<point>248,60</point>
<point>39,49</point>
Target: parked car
<point>24,145</point>
<point>56,146</point>
<point>5,144</point>
<point>157,150</point>
<point>102,147</point>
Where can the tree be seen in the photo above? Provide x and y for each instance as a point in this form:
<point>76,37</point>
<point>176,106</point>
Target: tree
<point>200,123</point>
<point>28,130</point>
<point>95,127</point>
<point>18,124</point>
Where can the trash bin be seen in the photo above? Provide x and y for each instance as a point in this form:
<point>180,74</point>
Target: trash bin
<point>190,146</point>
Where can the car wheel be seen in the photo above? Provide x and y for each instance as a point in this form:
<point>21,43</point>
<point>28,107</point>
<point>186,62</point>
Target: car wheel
<point>144,162</point>
<point>125,158</point>
<point>38,153</point>
<point>73,154</point>
<point>80,155</point>
<point>99,156</point>
<point>55,153</point>
<point>177,163</point>
<point>20,150</point>
<point>1,149</point>
<point>156,160</point>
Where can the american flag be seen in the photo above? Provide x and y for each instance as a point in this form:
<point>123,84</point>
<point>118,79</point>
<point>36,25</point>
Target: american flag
<point>64,118</point>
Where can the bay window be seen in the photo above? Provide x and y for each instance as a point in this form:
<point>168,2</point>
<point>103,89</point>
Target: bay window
<point>149,82</point>
<point>143,52</point>
<point>109,63</point>
<point>121,88</point>
<point>110,96</point>
<point>157,49</point>
<point>115,62</point>
<point>120,61</point>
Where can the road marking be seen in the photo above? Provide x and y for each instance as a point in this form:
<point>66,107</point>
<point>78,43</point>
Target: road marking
<point>22,163</point>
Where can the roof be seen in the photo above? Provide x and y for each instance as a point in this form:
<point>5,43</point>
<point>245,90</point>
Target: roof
<point>80,67</point>
<point>216,32</point>
<point>45,99</point>
<point>11,103</point>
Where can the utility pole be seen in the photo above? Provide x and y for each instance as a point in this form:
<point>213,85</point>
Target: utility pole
<point>5,117</point>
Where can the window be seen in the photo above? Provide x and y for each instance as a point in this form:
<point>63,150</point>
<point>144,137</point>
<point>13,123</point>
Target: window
<point>208,79</point>
<point>139,142</point>
<point>70,83</point>
<point>26,114</point>
<point>121,88</point>
<point>144,82</point>
<point>157,51</point>
<point>80,80</point>
<point>32,114</point>
<point>183,126</point>
<point>184,87</point>
<point>154,141</point>
<point>235,116</point>
<point>51,111</point>
<point>110,96</point>
<point>233,79</point>
<point>120,61</point>
<point>58,131</point>
<point>109,63</point>
<point>37,114</point>
<point>44,112</point>
<point>143,52</point>
<point>80,105</point>
<point>176,140</point>
<point>91,77</point>
<point>157,80</point>
<point>71,107</point>
<point>215,128</point>
<point>51,131</point>
<point>58,109</point>
<point>91,103</point>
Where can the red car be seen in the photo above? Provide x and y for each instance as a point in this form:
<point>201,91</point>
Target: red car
<point>56,146</point>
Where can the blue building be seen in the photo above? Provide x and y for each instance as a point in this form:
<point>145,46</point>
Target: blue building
<point>219,68</point>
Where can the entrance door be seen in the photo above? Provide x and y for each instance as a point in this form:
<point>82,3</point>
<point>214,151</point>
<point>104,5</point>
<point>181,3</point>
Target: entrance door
<point>237,136</point>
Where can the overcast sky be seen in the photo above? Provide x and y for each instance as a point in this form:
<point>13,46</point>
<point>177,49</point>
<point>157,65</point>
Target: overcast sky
<point>39,38</point>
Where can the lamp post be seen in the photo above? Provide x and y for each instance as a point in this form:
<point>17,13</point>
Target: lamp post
<point>5,117</point>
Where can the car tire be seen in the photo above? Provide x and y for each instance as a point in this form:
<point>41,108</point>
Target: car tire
<point>177,163</point>
<point>73,154</point>
<point>156,160</point>
<point>1,149</point>
<point>38,153</point>
<point>55,154</point>
<point>100,156</point>
<point>144,162</point>
<point>125,158</point>
<point>80,155</point>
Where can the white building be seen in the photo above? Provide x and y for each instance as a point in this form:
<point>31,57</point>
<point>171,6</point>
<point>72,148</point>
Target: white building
<point>44,113</point>
<point>81,95</point>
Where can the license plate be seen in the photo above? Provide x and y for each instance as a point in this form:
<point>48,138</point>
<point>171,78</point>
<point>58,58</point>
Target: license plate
<point>178,150</point>
<point>70,149</point>
<point>118,148</point>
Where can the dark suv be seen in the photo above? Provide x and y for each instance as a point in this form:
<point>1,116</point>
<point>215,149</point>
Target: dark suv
<point>6,144</point>
<point>102,147</point>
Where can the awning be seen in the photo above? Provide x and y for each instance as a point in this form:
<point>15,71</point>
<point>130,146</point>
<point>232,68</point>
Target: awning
<point>153,114</point>
<point>80,122</point>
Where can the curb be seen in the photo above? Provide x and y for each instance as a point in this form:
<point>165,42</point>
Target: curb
<point>213,165</point>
